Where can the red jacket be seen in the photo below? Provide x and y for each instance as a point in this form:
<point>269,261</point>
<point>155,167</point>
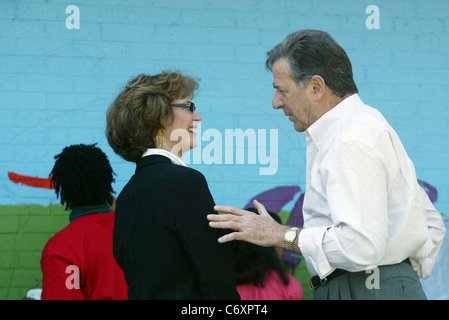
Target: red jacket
<point>77,262</point>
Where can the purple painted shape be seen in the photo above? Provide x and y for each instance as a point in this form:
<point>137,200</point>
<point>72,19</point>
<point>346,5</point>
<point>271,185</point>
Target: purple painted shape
<point>296,219</point>
<point>275,199</point>
<point>291,259</point>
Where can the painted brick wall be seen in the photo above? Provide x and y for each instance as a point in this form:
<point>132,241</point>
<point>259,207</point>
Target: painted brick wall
<point>56,83</point>
<point>24,231</point>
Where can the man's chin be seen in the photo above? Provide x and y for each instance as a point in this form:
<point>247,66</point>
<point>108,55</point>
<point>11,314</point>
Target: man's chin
<point>299,127</point>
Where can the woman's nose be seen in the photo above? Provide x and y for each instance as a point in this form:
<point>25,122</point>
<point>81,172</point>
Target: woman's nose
<point>196,116</point>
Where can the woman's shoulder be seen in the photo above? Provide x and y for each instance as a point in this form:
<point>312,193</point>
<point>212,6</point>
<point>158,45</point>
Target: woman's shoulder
<point>181,175</point>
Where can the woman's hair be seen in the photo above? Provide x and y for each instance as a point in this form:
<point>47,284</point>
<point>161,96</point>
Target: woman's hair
<point>142,109</point>
<point>315,52</point>
<point>82,176</point>
<point>253,262</point>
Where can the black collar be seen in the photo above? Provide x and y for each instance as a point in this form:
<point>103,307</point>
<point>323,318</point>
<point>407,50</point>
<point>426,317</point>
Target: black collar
<point>152,159</point>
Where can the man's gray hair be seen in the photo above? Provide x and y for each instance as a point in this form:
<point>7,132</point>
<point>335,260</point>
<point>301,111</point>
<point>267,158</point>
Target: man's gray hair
<point>314,52</point>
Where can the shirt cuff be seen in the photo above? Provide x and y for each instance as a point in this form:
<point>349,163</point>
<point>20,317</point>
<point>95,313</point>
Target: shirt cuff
<point>310,243</point>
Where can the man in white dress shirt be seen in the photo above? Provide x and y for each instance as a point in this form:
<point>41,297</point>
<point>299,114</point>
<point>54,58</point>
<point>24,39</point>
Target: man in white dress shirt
<point>363,206</point>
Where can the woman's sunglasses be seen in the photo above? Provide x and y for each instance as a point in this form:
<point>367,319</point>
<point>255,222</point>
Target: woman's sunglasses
<point>187,105</point>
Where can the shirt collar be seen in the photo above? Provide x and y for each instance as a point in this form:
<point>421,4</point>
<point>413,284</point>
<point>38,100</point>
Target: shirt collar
<point>174,159</point>
<point>84,210</point>
<point>322,129</point>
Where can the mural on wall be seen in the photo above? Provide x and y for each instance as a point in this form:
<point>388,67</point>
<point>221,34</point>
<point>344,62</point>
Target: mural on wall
<point>274,200</point>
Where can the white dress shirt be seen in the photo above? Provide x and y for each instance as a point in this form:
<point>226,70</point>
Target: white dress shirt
<point>161,152</point>
<point>363,206</point>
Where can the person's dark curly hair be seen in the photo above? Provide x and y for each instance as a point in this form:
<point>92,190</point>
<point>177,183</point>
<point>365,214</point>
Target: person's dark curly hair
<point>253,262</point>
<point>82,176</point>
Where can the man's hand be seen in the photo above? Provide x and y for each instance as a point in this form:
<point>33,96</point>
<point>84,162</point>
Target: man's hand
<point>260,229</point>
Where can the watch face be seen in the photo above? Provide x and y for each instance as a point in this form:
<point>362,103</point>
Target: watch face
<point>290,235</point>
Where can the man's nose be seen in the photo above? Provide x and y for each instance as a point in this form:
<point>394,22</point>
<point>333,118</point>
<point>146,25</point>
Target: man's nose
<point>278,101</point>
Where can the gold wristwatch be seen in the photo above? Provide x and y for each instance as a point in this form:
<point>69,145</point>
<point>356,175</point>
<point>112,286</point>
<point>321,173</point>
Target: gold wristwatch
<point>289,237</point>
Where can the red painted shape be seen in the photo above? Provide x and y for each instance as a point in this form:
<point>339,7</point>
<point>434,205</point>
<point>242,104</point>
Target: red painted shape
<point>35,182</point>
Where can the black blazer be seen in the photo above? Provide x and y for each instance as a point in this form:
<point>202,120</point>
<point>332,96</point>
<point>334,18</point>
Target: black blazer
<point>162,239</point>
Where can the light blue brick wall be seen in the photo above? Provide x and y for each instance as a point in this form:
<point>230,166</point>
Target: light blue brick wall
<point>56,84</point>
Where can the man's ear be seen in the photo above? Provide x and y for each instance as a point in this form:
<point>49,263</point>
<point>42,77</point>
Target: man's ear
<point>318,87</point>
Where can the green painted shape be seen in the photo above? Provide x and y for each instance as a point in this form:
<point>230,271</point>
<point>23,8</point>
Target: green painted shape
<point>24,231</point>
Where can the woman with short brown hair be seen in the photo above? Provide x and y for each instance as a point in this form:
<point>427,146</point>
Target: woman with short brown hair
<point>162,239</point>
